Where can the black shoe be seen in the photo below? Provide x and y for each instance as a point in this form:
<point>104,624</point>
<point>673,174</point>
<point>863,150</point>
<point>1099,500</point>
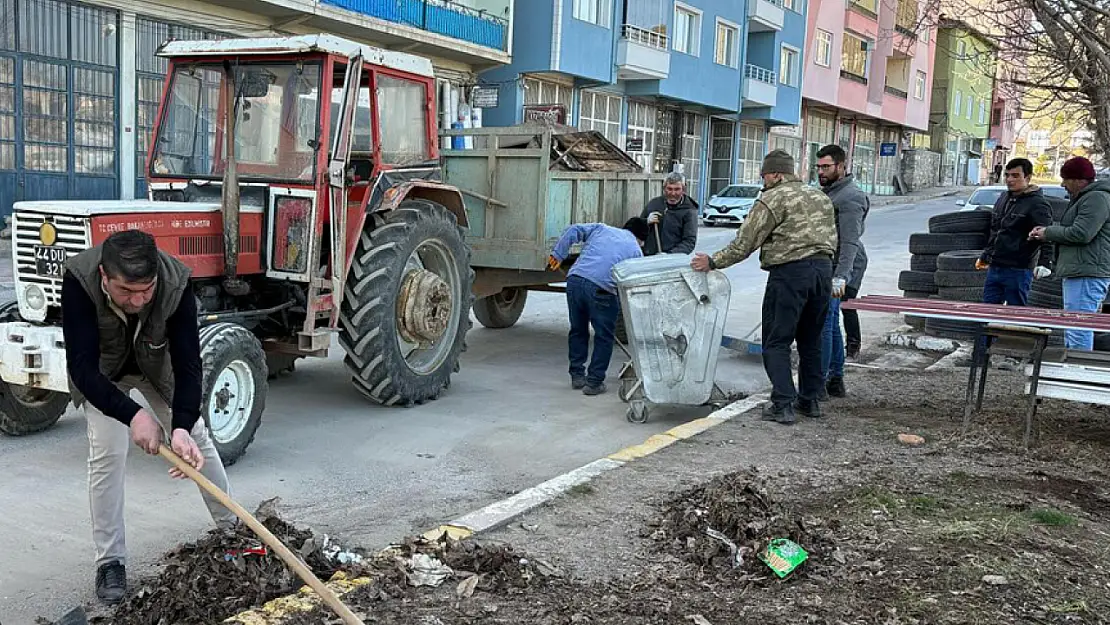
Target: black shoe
<point>835,387</point>
<point>822,394</point>
<point>111,582</point>
<point>808,408</point>
<point>783,415</point>
<point>851,350</point>
<point>578,382</point>
<point>594,389</point>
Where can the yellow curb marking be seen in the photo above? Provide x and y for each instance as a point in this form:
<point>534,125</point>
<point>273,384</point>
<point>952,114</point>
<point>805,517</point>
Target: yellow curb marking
<point>648,447</point>
<point>305,600</point>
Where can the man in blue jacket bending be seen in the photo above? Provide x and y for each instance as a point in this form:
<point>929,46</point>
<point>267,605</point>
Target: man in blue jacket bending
<point>592,294</point>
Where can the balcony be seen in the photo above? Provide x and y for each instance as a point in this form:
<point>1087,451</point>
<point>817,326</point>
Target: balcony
<point>852,76</point>
<point>436,16</point>
<point>760,86</point>
<point>894,91</point>
<point>642,54</point>
<point>765,15</point>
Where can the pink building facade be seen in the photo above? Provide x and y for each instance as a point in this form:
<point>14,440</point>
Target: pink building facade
<point>867,85</point>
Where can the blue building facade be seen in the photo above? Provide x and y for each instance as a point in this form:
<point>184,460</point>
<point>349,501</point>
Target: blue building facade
<point>680,85</point>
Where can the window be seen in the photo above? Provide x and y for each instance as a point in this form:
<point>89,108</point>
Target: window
<point>996,117</point>
<point>641,126</point>
<point>970,110</point>
<point>961,49</point>
<point>601,112</point>
<point>788,66</point>
<point>687,30</point>
<point>728,36</point>
<point>957,103</point>
<point>592,11</point>
<point>402,106</point>
<point>538,92</point>
<point>751,152</point>
<point>791,5</point>
<point>823,52</point>
<point>855,56</point>
<point>863,158</point>
<point>691,145</point>
<point>919,85</point>
<point>869,6</point>
<point>982,112</point>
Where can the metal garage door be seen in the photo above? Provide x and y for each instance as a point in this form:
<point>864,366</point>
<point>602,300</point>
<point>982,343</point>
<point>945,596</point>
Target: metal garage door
<point>59,82</point>
<point>151,74</point>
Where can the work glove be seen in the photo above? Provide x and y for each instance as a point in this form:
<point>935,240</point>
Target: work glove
<point>838,286</point>
<point>553,264</point>
<point>1041,272</point>
<point>980,265</point>
<point>654,218</point>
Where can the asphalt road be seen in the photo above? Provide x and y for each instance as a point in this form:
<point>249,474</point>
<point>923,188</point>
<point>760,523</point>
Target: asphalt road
<point>373,474</point>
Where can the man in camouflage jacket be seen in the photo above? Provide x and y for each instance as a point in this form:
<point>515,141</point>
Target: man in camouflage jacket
<point>793,226</point>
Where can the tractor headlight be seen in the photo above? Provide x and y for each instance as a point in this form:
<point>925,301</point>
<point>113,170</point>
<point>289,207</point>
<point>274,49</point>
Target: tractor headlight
<point>35,297</point>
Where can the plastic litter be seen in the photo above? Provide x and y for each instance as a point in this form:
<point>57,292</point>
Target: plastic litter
<point>783,556</point>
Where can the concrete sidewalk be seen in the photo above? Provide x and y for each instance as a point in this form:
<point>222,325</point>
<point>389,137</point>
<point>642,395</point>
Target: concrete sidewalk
<point>921,195</point>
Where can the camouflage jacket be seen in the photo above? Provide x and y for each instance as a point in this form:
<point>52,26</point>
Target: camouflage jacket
<point>790,221</point>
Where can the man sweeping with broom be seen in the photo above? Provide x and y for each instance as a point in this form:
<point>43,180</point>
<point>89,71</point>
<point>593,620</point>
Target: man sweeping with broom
<point>130,325</point>
<point>673,218</point>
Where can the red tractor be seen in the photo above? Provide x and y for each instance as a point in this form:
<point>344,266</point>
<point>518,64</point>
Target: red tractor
<point>298,177</point>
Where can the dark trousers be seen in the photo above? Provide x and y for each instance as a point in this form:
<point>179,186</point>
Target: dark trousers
<point>852,334</point>
<point>589,305</point>
<point>1007,285</point>
<point>794,308</point>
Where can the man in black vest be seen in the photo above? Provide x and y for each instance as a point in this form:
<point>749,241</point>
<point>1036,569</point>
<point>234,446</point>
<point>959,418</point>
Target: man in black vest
<point>130,325</point>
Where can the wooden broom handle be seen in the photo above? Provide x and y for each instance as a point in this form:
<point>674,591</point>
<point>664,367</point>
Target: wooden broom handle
<point>272,541</point>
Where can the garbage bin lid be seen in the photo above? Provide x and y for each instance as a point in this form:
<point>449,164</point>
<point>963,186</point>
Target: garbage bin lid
<point>658,267</point>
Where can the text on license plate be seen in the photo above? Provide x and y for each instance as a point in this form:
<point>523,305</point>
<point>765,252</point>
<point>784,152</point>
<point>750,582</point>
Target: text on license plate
<point>50,260</point>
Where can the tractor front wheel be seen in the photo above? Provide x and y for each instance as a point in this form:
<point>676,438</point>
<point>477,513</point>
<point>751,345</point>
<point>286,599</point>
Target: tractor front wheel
<point>406,306</point>
<point>234,387</point>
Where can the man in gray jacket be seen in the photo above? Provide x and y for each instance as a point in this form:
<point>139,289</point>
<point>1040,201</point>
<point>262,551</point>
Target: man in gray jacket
<point>1082,239</point>
<point>673,218</point>
<point>851,206</point>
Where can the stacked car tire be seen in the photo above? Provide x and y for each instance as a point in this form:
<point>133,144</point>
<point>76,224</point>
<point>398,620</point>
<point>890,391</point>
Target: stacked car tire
<point>942,266</point>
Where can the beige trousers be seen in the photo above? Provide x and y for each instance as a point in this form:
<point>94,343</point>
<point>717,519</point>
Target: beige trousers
<point>109,443</point>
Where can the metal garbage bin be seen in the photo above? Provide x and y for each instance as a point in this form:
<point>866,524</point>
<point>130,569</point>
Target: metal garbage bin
<point>675,318</point>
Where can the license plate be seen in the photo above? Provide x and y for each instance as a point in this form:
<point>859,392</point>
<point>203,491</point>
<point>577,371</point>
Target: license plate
<point>50,261</point>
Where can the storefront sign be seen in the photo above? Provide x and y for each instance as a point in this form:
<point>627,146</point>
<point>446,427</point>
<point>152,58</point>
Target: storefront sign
<point>786,131</point>
<point>485,97</point>
<point>634,144</point>
<point>888,149</point>
<point>546,113</point>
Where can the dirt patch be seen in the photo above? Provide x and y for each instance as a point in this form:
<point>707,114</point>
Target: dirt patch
<point>959,530</point>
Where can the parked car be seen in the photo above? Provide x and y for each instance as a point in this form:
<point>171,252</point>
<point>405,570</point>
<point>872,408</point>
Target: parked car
<point>984,197</point>
<point>731,205</point>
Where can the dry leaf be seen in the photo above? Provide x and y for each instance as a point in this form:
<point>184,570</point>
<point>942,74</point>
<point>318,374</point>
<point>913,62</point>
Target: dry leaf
<point>698,619</point>
<point>465,589</point>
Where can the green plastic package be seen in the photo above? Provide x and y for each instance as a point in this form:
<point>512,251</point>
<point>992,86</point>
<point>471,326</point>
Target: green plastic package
<point>783,556</point>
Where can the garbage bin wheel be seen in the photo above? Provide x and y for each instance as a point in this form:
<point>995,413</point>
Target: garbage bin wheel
<point>638,411</point>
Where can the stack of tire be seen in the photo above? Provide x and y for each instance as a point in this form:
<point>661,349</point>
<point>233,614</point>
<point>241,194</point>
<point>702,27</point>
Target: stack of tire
<point>942,266</point>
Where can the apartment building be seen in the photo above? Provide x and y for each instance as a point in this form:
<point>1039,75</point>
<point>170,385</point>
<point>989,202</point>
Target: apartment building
<point>867,85</point>
<point>691,85</point>
<point>80,83</point>
<point>963,102</point>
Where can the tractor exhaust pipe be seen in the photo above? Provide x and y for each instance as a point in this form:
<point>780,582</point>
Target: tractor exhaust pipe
<point>229,197</point>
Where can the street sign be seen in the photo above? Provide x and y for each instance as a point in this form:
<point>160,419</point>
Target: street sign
<point>546,113</point>
<point>888,149</point>
<point>485,97</point>
<point>634,144</point>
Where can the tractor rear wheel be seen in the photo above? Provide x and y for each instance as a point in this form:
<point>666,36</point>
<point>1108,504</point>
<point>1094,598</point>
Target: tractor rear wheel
<point>406,306</point>
<point>26,410</point>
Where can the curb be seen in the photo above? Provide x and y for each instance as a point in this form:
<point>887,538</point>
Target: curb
<point>500,513</point>
<point>900,200</point>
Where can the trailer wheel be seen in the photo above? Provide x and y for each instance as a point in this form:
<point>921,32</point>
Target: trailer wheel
<point>26,410</point>
<point>501,310</point>
<point>234,387</point>
<point>406,307</point>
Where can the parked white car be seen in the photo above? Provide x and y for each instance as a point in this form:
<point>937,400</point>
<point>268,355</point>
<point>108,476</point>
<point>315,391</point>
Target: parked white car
<point>731,205</point>
<point>984,197</point>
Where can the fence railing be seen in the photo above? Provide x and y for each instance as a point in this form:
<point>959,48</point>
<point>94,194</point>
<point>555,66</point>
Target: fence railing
<point>761,74</point>
<point>437,16</point>
<point>644,37</point>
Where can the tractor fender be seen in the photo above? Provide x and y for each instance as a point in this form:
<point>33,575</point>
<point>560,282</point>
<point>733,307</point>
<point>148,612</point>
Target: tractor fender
<point>445,195</point>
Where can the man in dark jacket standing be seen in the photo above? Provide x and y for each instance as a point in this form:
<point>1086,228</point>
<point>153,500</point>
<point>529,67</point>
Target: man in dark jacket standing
<point>851,206</point>
<point>1082,239</point>
<point>673,218</point>
<point>1012,259</point>
<point>130,324</point>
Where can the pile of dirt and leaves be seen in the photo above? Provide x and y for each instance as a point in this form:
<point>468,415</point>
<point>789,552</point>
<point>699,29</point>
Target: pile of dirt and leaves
<point>223,574</point>
<point>947,530</point>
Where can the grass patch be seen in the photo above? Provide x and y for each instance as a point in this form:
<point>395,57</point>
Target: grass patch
<point>925,504</point>
<point>1053,517</point>
<point>581,490</point>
